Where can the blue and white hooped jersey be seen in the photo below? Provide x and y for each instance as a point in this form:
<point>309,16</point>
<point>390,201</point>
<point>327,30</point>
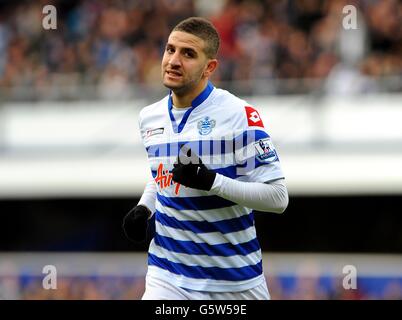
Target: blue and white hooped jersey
<point>202,241</point>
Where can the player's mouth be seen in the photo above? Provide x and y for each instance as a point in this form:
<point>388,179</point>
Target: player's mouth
<point>174,74</point>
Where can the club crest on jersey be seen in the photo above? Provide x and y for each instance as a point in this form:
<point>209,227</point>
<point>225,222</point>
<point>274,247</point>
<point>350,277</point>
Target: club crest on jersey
<point>265,150</point>
<point>205,126</point>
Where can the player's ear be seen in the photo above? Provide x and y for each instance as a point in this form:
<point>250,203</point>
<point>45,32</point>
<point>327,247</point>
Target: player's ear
<point>211,67</point>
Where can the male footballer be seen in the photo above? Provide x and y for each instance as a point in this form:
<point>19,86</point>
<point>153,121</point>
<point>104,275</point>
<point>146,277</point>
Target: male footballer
<point>213,164</point>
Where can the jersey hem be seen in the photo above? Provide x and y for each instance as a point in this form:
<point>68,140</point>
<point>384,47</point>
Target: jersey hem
<point>203,284</point>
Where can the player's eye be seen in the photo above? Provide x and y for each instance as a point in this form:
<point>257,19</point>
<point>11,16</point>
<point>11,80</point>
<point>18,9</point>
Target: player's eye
<point>189,54</point>
<point>169,50</point>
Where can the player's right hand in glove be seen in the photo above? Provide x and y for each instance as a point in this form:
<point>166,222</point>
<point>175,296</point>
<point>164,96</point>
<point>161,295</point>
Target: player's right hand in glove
<point>135,223</point>
<point>191,172</point>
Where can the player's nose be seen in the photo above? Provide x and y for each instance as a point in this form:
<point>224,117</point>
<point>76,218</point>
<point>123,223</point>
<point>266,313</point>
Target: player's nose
<point>174,60</point>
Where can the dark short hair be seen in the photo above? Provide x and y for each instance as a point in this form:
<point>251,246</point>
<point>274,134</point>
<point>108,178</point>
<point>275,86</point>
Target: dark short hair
<point>204,29</point>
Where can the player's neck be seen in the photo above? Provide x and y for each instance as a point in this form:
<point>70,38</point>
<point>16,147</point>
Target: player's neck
<point>184,100</point>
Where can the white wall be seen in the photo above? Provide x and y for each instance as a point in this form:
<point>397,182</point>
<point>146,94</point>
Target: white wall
<point>349,145</point>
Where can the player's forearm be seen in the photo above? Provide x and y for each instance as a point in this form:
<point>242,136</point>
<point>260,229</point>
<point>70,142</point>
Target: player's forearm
<point>268,197</point>
<point>148,197</point>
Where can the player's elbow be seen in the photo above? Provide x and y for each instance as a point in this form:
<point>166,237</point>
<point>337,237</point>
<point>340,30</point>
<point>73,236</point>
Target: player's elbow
<point>279,205</point>
<point>283,200</point>
<point>284,204</point>
<point>277,194</point>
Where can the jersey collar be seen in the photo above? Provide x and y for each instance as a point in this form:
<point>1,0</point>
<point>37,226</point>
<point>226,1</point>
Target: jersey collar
<point>195,103</point>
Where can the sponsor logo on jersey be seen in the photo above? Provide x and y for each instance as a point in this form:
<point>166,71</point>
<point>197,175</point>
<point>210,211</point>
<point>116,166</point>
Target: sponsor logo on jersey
<point>265,150</point>
<point>164,179</point>
<point>152,132</point>
<point>253,117</point>
<point>205,126</point>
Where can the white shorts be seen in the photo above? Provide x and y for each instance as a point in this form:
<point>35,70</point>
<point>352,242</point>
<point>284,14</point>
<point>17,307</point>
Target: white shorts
<point>157,289</point>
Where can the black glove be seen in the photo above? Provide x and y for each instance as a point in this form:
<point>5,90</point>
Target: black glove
<point>135,223</point>
<point>191,172</point>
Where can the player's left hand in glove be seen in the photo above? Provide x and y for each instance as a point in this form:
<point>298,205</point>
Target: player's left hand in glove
<point>191,172</point>
<point>135,223</point>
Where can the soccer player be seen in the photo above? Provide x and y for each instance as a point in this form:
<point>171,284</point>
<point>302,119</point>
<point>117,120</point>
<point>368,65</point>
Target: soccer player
<point>213,164</point>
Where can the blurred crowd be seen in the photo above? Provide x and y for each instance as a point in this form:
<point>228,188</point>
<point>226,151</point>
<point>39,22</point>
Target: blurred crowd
<point>130,288</point>
<point>114,47</point>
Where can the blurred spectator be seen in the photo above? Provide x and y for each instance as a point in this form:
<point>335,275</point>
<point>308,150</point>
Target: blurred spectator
<point>393,291</point>
<point>117,45</point>
<point>302,287</point>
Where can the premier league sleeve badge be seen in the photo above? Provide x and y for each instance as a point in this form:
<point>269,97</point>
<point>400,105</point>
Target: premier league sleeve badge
<point>265,151</point>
